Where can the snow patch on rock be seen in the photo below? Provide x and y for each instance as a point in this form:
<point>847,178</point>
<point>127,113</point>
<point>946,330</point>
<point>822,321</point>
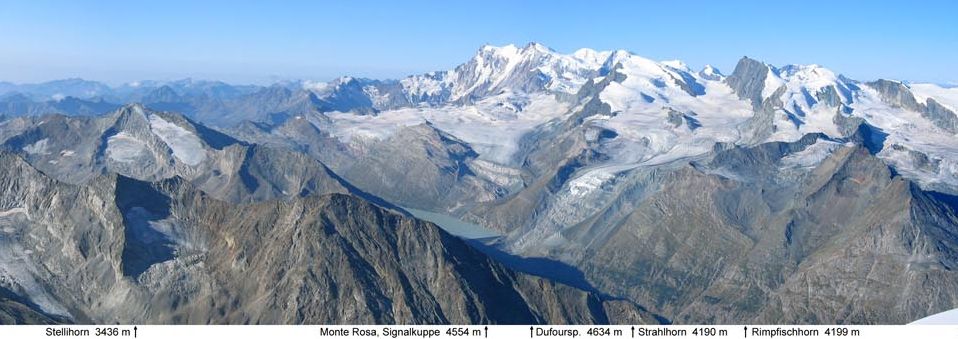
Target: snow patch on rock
<point>186,146</point>
<point>811,156</point>
<point>14,211</point>
<point>37,148</point>
<point>124,147</point>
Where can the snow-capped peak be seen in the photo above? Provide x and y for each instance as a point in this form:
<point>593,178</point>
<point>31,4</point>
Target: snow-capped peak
<point>317,87</point>
<point>806,85</point>
<point>812,76</point>
<point>658,74</point>
<point>344,79</point>
<point>504,52</point>
<point>711,73</point>
<point>538,47</point>
<point>494,69</point>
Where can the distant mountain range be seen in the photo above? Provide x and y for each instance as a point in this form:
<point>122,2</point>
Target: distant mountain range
<point>620,190</point>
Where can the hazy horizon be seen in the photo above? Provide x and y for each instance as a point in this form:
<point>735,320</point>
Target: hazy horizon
<point>257,43</point>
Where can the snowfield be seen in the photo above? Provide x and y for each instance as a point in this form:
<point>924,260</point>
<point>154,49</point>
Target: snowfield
<point>37,148</point>
<point>186,146</point>
<point>811,156</point>
<point>492,127</point>
<point>945,96</point>
<point>123,147</point>
<point>943,318</point>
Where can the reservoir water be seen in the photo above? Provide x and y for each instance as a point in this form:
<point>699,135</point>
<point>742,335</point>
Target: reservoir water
<point>453,225</point>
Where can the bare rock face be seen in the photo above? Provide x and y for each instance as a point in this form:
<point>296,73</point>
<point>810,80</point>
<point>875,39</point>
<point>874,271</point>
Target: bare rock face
<point>748,80</point>
<point>815,231</point>
<point>15,313</point>
<point>420,167</point>
<point>898,95</point>
<point>122,250</point>
<point>148,145</point>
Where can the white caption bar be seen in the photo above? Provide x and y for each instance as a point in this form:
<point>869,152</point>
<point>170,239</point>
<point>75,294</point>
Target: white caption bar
<point>461,332</point>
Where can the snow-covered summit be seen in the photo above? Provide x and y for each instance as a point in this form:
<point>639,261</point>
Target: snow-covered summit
<point>711,73</point>
<point>532,68</point>
<point>659,110</point>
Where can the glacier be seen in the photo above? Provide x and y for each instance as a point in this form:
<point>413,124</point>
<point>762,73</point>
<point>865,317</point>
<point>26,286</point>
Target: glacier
<point>185,145</point>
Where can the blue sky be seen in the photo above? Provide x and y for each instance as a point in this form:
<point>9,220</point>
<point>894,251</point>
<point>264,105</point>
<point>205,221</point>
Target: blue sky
<point>264,41</point>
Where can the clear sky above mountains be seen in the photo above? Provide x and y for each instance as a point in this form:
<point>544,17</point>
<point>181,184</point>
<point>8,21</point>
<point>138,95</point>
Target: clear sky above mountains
<point>261,42</point>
